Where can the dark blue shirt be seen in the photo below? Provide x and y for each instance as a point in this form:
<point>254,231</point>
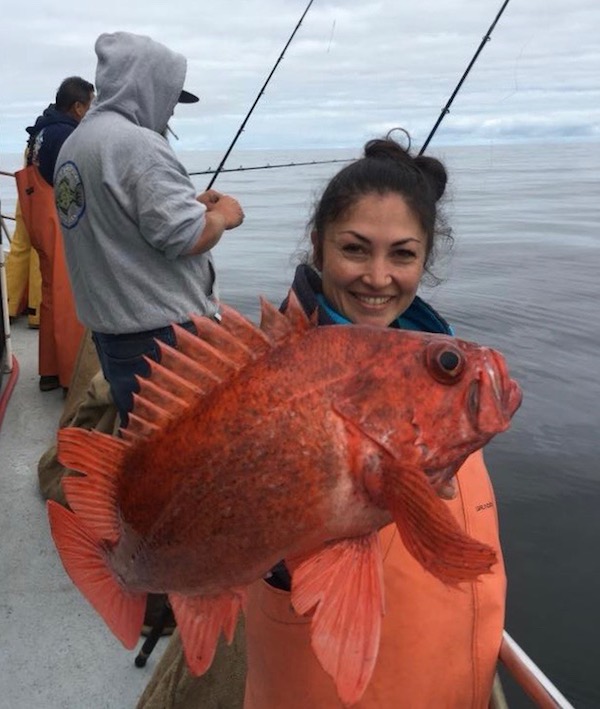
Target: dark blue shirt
<point>46,137</point>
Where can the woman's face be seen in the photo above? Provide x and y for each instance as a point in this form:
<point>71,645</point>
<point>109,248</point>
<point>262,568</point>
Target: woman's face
<point>373,260</point>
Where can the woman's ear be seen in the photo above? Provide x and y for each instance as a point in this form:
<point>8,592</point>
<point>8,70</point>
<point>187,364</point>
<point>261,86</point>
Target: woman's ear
<point>317,247</point>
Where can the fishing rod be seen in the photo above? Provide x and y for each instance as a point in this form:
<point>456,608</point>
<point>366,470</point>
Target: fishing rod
<point>487,37</point>
<point>446,108</point>
<point>257,99</point>
<point>268,166</point>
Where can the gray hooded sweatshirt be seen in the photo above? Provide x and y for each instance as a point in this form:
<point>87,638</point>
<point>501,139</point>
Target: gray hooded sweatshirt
<point>126,204</point>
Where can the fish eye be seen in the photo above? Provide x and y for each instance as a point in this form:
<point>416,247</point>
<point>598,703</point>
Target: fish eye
<point>446,363</point>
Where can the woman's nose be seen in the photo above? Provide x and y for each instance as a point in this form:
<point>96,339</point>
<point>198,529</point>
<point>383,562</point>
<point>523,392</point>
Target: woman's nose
<point>377,274</point>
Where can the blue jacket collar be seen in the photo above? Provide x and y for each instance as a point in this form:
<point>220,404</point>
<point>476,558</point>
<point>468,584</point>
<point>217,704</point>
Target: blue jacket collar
<point>419,316</point>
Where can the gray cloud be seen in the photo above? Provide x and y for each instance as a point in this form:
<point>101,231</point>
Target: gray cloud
<point>356,67</point>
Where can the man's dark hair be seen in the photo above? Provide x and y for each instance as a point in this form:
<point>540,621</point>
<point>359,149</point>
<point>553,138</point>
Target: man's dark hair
<point>73,89</point>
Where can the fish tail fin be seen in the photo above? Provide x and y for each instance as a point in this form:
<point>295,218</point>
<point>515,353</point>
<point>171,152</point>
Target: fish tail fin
<point>429,530</point>
<point>200,620</point>
<point>343,582</point>
<point>84,559</point>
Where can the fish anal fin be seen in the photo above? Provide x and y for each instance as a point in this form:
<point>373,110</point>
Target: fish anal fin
<point>429,530</point>
<point>85,561</point>
<point>200,620</point>
<point>344,584</point>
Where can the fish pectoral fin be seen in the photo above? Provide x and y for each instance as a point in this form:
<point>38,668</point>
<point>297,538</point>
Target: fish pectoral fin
<point>85,562</point>
<point>344,584</point>
<point>201,619</point>
<point>429,530</point>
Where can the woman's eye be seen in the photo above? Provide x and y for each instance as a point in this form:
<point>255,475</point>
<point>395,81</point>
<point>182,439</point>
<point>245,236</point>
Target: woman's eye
<point>404,255</point>
<point>353,249</point>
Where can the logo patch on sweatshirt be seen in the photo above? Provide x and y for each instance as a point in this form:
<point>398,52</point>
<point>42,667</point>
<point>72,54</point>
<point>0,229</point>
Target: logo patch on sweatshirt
<point>69,195</point>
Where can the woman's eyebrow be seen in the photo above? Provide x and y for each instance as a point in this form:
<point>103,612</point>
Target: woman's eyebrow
<point>366,240</point>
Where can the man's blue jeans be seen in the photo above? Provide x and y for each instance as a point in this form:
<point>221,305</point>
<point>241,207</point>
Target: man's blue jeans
<point>122,358</point>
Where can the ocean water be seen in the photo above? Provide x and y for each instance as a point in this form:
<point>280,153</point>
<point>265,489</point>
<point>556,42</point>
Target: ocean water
<point>523,277</point>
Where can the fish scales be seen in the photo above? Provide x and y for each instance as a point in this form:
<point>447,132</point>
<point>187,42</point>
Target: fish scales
<point>236,469</point>
<point>247,446</point>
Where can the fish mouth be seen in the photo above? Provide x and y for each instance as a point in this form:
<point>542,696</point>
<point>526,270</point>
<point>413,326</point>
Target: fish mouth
<point>493,397</point>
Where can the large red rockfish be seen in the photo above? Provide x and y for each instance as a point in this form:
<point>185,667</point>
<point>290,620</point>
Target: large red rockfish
<point>250,445</point>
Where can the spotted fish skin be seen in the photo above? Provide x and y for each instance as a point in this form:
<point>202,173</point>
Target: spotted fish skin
<point>250,445</point>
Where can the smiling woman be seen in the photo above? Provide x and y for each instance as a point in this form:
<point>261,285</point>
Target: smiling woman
<point>374,234</point>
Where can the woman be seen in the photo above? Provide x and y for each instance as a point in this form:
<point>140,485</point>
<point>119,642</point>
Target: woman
<point>373,237</point>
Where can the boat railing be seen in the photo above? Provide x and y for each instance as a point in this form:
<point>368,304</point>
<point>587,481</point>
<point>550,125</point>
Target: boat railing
<point>530,677</point>
<point>7,361</point>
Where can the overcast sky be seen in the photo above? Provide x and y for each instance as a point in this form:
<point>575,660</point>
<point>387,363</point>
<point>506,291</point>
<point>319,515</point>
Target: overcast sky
<point>355,69</point>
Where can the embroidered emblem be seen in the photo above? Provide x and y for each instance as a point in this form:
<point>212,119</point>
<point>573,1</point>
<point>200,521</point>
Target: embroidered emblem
<point>69,194</point>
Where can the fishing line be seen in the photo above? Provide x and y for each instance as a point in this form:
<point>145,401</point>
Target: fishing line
<point>256,100</point>
<point>487,37</point>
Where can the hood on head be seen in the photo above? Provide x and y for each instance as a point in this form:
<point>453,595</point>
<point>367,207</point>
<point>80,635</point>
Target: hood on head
<point>139,78</point>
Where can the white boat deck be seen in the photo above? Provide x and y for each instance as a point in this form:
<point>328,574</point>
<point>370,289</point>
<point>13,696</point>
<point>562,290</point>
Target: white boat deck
<point>55,651</point>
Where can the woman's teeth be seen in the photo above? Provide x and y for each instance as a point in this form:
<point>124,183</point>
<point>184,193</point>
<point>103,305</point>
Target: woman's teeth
<point>374,300</point>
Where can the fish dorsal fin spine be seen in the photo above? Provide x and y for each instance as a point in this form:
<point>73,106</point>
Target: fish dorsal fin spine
<point>255,339</point>
<point>192,364</point>
<point>206,350</point>
<point>171,382</point>
<point>202,361</point>
<point>286,326</point>
<point>151,412</point>
<point>164,398</point>
<point>138,424</point>
<point>224,342</point>
<point>295,314</point>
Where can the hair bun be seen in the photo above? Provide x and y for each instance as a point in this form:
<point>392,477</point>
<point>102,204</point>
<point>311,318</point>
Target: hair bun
<point>435,173</point>
<point>431,168</point>
<point>386,149</point>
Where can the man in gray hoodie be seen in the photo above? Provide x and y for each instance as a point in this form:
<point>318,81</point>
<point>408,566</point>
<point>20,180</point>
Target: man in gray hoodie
<point>137,237</point>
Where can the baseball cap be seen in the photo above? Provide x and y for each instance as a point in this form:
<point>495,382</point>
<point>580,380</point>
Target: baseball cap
<point>187,97</point>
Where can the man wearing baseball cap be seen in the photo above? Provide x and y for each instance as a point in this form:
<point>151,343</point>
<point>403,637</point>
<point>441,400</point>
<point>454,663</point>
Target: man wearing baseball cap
<point>137,236</point>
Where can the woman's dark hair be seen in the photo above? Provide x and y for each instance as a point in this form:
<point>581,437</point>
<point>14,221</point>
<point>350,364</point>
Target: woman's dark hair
<point>71,90</point>
<point>386,167</point>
